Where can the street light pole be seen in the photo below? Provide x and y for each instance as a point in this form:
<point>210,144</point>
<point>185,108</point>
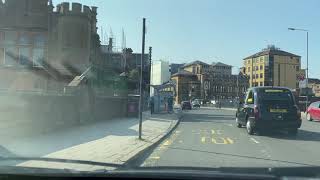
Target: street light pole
<point>307,78</point>
<point>141,77</point>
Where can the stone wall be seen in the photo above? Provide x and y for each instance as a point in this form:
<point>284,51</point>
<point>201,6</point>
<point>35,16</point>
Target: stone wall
<point>23,114</point>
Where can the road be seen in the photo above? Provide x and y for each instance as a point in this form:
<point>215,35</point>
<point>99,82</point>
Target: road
<point>210,138</point>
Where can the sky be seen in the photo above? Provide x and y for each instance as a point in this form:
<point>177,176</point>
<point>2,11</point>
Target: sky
<point>213,30</point>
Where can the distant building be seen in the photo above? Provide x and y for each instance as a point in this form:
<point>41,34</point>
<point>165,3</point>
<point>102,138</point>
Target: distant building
<point>159,74</point>
<point>313,84</point>
<point>187,86</point>
<point>174,68</point>
<point>273,67</point>
<point>220,68</point>
<point>215,81</point>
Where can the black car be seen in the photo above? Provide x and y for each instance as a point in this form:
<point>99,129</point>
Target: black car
<point>266,108</point>
<point>196,104</point>
<point>186,105</point>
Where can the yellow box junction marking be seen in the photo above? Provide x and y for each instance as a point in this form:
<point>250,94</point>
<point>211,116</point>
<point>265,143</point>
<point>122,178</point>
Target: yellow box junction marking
<point>215,137</point>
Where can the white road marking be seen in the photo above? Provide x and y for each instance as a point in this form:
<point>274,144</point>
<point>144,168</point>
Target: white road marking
<point>254,140</point>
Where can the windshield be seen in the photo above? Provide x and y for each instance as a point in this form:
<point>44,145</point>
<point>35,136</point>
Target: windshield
<point>98,86</point>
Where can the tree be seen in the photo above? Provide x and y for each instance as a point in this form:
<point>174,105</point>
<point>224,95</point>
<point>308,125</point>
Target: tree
<point>133,75</point>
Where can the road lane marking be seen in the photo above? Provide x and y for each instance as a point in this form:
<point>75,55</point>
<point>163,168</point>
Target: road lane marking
<point>155,157</point>
<point>167,143</point>
<point>180,141</point>
<point>216,142</point>
<point>219,132</point>
<point>230,140</point>
<point>212,131</point>
<point>254,140</point>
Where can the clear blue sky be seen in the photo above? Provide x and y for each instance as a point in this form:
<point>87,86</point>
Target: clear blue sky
<point>214,30</point>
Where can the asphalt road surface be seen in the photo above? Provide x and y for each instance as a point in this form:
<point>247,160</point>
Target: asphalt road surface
<point>210,138</point>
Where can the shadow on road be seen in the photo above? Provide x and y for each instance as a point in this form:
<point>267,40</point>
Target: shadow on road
<point>303,135</point>
<point>208,118</point>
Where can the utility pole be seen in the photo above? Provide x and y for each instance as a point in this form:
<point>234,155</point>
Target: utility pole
<point>141,76</point>
<point>150,64</point>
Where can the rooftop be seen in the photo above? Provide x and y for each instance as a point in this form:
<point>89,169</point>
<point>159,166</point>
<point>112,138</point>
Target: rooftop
<point>183,73</point>
<point>195,63</point>
<point>220,64</point>
<point>314,80</point>
<point>271,50</point>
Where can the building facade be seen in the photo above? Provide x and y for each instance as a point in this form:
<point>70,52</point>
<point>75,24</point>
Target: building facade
<point>159,74</point>
<point>187,86</point>
<point>40,47</point>
<point>174,68</point>
<point>216,81</point>
<point>273,67</point>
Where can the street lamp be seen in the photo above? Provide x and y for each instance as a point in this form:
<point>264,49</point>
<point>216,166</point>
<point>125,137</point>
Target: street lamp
<point>307,79</point>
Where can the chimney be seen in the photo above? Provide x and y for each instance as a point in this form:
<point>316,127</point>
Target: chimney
<point>110,45</point>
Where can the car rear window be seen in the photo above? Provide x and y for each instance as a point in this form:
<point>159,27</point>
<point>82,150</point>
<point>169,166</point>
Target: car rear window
<point>276,96</point>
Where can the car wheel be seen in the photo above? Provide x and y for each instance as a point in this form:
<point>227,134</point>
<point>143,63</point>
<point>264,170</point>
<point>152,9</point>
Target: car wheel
<point>309,118</point>
<point>249,127</point>
<point>238,124</point>
<point>293,132</point>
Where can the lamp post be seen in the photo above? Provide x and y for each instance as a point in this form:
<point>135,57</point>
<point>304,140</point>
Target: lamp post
<point>307,78</point>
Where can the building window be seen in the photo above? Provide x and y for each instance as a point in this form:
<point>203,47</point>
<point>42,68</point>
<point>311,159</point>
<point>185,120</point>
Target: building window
<point>24,56</point>
<point>261,67</point>
<point>257,68</point>
<point>10,37</point>
<point>10,56</point>
<point>253,77</point>
<point>38,57</point>
<point>40,40</point>
<point>261,83</point>
<point>297,68</point>
<point>24,39</point>
<point>248,69</point>
<point>261,75</point>
<point>1,36</point>
<point>257,76</point>
<point>1,56</point>
<point>193,69</point>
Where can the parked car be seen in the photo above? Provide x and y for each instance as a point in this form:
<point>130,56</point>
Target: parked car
<point>196,103</point>
<point>313,112</point>
<point>267,108</point>
<point>186,105</point>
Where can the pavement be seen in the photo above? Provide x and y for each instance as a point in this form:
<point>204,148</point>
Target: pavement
<point>111,141</point>
<point>209,138</point>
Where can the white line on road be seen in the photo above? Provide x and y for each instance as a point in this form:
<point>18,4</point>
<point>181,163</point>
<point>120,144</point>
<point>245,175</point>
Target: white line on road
<point>254,140</point>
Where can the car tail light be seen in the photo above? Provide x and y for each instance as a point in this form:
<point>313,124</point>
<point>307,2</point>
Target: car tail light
<point>256,112</point>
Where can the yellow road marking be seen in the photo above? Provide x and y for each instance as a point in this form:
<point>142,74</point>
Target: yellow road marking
<point>230,140</point>
<point>167,143</point>
<point>155,157</point>
<point>203,139</point>
<point>216,142</point>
